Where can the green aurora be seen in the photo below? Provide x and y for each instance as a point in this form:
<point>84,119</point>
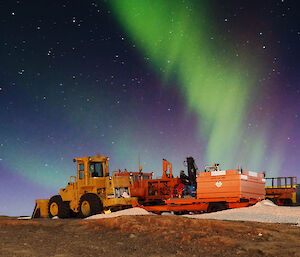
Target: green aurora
<point>217,88</point>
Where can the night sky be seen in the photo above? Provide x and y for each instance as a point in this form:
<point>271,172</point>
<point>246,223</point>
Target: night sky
<point>141,79</point>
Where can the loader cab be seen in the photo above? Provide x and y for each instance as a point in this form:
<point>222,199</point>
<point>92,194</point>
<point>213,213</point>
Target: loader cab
<point>91,167</point>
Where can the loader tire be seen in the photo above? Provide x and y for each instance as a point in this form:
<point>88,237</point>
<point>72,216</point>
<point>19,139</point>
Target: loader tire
<point>57,207</point>
<point>89,204</point>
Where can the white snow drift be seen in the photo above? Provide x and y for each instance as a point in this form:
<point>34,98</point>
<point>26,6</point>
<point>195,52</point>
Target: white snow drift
<point>127,212</point>
<point>264,211</point>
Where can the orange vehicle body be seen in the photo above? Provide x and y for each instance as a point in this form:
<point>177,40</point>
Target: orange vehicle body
<point>282,190</point>
<point>217,190</point>
<point>230,184</point>
<point>149,190</point>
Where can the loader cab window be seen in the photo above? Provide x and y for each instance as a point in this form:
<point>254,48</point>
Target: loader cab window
<point>81,170</point>
<point>96,169</point>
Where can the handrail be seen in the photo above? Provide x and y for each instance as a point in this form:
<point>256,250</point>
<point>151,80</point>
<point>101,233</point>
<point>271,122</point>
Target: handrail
<point>287,181</point>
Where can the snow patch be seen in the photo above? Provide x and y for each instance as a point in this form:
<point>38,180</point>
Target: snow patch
<point>264,211</point>
<point>127,212</point>
<point>25,218</point>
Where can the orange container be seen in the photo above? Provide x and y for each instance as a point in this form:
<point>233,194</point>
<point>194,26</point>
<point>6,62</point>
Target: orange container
<point>230,185</point>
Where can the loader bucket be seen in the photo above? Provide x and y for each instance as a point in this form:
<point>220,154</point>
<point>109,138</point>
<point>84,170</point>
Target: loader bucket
<point>40,209</point>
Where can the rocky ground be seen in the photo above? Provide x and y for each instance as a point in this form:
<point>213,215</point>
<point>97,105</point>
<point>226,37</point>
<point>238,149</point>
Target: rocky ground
<point>149,235</point>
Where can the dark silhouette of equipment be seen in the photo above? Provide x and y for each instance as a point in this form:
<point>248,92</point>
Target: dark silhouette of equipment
<point>192,171</point>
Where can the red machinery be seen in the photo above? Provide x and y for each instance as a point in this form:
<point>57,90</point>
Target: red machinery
<point>149,190</point>
<point>216,190</point>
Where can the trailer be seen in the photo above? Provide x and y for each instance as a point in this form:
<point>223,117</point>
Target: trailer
<point>217,190</point>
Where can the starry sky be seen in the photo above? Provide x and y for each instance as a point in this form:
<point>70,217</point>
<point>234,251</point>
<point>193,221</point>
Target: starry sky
<point>145,80</point>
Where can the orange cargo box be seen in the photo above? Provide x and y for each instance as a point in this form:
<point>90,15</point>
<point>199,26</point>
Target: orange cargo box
<point>230,184</point>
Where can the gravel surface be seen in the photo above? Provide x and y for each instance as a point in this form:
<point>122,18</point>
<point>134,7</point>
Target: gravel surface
<point>264,211</point>
<point>146,235</point>
<point>127,212</point>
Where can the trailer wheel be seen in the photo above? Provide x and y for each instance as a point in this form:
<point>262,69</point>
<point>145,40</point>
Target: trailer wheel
<point>218,206</point>
<point>89,204</point>
<point>287,202</point>
<point>57,207</point>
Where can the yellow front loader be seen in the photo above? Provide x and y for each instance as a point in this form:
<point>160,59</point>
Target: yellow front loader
<point>90,192</point>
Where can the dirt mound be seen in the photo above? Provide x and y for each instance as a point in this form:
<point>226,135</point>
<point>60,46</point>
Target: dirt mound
<point>146,235</point>
<point>193,236</point>
<point>15,222</point>
<point>127,212</point>
<point>178,230</point>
